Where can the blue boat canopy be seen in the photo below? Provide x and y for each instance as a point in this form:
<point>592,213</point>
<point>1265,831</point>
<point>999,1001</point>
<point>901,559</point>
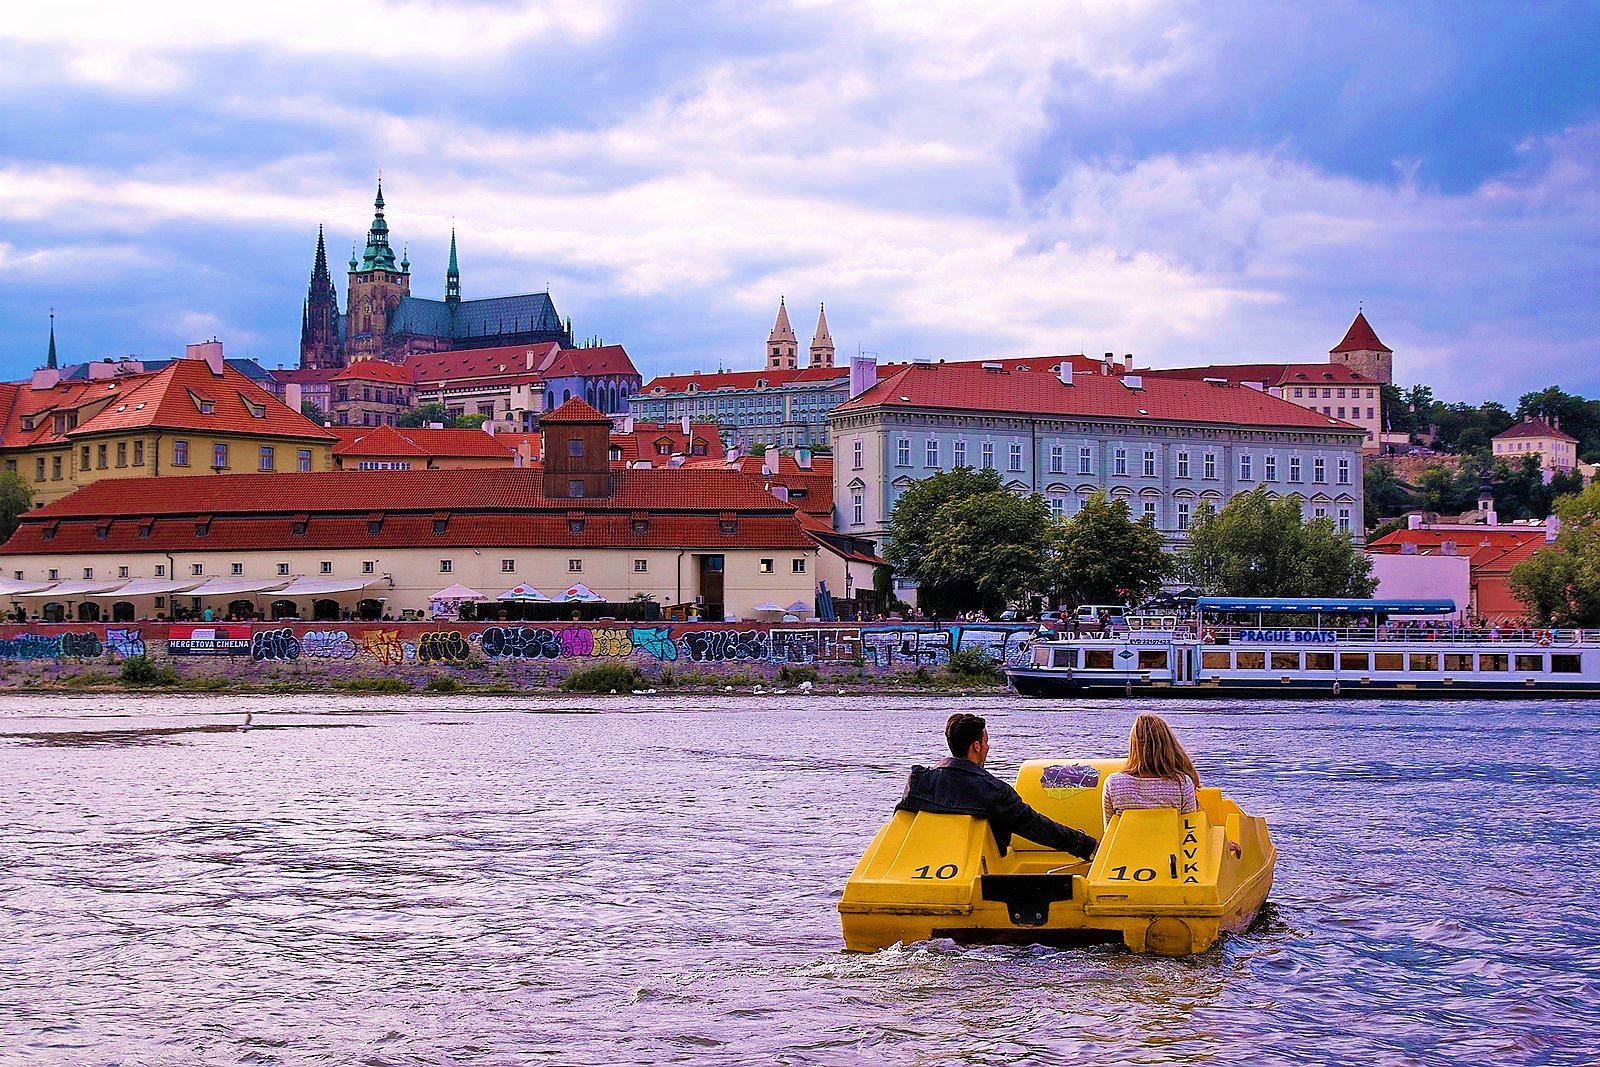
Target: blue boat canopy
<point>1325,605</point>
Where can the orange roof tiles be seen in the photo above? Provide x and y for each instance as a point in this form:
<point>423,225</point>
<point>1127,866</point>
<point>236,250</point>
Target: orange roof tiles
<point>574,410</point>
<point>1534,427</point>
<point>521,361</point>
<point>188,395</point>
<point>742,379</point>
<point>1360,338</point>
<point>589,362</point>
<point>375,370</point>
<point>972,387</point>
<point>1269,374</point>
<point>423,441</point>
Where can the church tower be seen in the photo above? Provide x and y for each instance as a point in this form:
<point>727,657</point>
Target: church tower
<point>783,351</point>
<point>821,341</point>
<point>377,286</point>
<point>1363,353</point>
<point>320,343</point>
<point>452,277</point>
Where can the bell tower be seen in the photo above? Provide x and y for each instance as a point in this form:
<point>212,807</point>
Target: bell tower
<point>821,341</point>
<point>377,285</point>
<point>783,351</point>
<point>1363,353</point>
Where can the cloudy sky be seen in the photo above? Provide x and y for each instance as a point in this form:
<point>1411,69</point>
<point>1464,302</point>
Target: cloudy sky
<point>1189,182</point>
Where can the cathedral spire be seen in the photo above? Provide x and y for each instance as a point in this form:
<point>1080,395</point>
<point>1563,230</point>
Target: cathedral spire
<point>378,255</point>
<point>782,348</point>
<point>452,277</point>
<point>50,360</point>
<point>821,341</point>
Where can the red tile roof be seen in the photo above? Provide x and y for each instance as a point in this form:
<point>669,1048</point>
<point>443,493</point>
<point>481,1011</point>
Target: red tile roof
<point>1534,427</point>
<point>305,375</point>
<point>490,506</point>
<point>1271,375</point>
<point>1360,338</point>
<point>972,387</point>
<point>172,398</point>
<point>647,437</point>
<point>375,370</point>
<point>423,442</point>
<point>742,379</point>
<point>590,362</point>
<point>574,410</point>
<point>521,361</point>
<point>1483,547</point>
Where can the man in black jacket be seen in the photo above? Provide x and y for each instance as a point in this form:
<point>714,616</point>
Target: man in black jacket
<point>960,786</point>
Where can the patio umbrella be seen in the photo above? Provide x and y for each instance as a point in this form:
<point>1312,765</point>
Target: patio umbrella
<point>523,593</point>
<point>800,607</point>
<point>457,592</point>
<point>581,592</point>
<point>768,606</point>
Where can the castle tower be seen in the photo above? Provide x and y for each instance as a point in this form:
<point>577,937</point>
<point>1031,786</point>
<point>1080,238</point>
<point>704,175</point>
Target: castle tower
<point>821,341</point>
<point>783,351</point>
<point>377,285</point>
<point>1363,353</point>
<point>320,343</point>
<point>452,277</point>
<point>50,360</point>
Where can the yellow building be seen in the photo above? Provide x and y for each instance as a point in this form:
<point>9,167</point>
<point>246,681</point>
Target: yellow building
<point>1557,450</point>
<point>196,416</point>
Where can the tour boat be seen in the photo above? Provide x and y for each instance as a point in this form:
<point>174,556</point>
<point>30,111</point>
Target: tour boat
<point>1161,882</point>
<point>1330,647</point>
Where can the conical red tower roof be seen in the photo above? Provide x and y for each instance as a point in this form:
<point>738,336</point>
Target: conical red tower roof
<point>1360,338</point>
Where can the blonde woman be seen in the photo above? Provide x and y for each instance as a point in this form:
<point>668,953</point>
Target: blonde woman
<point>1159,773</point>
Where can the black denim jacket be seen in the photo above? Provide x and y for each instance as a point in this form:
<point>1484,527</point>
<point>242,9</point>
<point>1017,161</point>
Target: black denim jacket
<point>960,787</point>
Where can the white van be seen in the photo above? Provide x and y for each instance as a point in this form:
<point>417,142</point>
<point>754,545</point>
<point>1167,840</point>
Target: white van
<point>1089,614</point>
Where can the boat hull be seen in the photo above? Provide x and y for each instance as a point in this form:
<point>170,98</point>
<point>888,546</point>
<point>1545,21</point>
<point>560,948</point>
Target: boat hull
<point>1048,682</point>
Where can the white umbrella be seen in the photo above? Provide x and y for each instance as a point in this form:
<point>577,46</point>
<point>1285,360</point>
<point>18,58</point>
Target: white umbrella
<point>768,606</point>
<point>523,593</point>
<point>457,592</point>
<point>800,607</point>
<point>581,592</point>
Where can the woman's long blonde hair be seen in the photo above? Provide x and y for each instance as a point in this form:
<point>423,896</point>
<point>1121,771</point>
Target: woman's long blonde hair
<point>1153,751</point>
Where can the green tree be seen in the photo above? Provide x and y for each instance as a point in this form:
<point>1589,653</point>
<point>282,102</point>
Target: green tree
<point>1102,556</point>
<point>1258,545</point>
<point>469,422</point>
<point>16,497</point>
<point>1386,494</point>
<point>423,414</point>
<point>995,545</point>
<point>312,412</point>
<point>1576,415</point>
<point>911,524</point>
<point>1561,584</point>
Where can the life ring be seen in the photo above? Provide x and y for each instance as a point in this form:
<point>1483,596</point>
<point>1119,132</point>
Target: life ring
<point>1544,637</point>
<point>1207,637</point>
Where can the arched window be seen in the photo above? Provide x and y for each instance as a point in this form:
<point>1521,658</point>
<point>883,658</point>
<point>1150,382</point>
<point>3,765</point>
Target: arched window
<point>54,612</point>
<point>122,611</point>
<point>369,609</point>
<point>241,609</point>
<point>566,395</point>
<point>325,610</point>
<point>285,609</point>
<point>88,611</point>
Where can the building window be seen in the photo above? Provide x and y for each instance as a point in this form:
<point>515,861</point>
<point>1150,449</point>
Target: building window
<point>1058,462</point>
<point>508,566</point>
<point>1058,506</point>
<point>988,455</point>
<point>1344,472</point>
<point>38,469</point>
<point>1210,465</point>
<point>902,452</point>
<point>575,488</point>
<point>138,453</point>
<point>575,448</point>
<point>327,567</point>
<point>180,453</point>
<point>55,468</point>
<point>83,463</point>
<point>855,455</point>
<point>1183,514</point>
<point>219,455</point>
<point>574,566</point>
<point>1016,457</point>
<point>1150,512</point>
<point>1246,467</point>
<point>1119,460</point>
<point>1294,468</point>
<point>1344,520</point>
<point>55,575</point>
<point>1319,512</point>
<point>283,569</point>
<point>237,568</point>
<point>305,460</point>
<point>266,457</point>
<point>1149,463</point>
<point>122,453</point>
<point>797,565</point>
<point>960,449</point>
<point>856,508</point>
<point>161,571</point>
<point>765,566</point>
<point>641,566</point>
<point>368,566</point>
<point>88,572</point>
<point>1085,460</point>
<point>1319,469</point>
<point>1271,471</point>
<point>122,572</point>
<point>197,569</point>
<point>931,454</point>
<point>446,566</point>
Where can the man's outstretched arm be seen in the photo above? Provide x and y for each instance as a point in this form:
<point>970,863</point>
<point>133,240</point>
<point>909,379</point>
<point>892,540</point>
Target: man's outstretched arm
<point>1023,821</point>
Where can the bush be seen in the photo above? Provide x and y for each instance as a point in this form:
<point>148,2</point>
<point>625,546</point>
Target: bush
<point>668,676</point>
<point>794,675</point>
<point>603,678</point>
<point>88,679</point>
<point>142,670</point>
<point>442,683</point>
<point>376,685</point>
<point>204,683</point>
<point>974,664</point>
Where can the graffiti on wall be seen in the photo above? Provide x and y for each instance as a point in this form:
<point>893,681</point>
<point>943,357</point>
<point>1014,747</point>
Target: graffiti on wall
<point>86,645</point>
<point>905,647</point>
<point>1007,646</point>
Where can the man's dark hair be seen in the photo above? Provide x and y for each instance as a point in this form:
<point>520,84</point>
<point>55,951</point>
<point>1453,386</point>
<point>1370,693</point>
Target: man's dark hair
<point>961,730</point>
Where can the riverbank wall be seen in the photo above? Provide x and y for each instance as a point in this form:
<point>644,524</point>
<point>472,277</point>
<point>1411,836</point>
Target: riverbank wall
<point>495,654</point>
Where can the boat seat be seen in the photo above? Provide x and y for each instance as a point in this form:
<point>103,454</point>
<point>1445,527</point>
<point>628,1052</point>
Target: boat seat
<point>1067,791</point>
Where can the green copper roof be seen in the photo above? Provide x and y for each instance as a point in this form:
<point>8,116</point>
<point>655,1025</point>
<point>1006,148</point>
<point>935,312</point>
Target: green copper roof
<point>378,254</point>
<point>50,360</point>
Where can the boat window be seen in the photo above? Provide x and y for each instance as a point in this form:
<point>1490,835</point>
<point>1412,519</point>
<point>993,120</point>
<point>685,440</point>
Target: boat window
<point>1564,663</point>
<point>1041,657</point>
<point>1494,661</point>
<point>1319,661</point>
<point>1388,661</point>
<point>1353,661</point>
<point>1458,661</point>
<point>1286,661</point>
<point>1097,658</point>
<point>1530,663</point>
<point>1216,661</point>
<point>1152,659</point>
<point>1252,661</point>
<point>1065,657</point>
<point>1424,661</point>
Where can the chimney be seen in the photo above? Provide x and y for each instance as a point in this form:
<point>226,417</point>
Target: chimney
<point>97,371</point>
<point>208,351</point>
<point>1448,548</point>
<point>1552,528</point>
<point>769,460</point>
<point>293,395</point>
<point>627,424</point>
<point>685,422</point>
<point>1408,549</point>
<point>1127,362</point>
<point>1414,521</point>
<point>45,378</point>
<point>802,459</point>
<point>1105,366</point>
<point>1065,371</point>
<point>863,374</point>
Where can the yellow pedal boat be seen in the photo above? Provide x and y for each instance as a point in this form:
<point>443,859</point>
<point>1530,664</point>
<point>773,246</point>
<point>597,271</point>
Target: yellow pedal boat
<point>1164,883</point>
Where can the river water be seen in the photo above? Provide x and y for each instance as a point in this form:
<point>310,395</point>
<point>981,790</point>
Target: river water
<point>654,880</point>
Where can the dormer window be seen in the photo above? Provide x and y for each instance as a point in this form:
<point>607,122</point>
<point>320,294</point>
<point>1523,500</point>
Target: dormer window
<point>375,523</point>
<point>639,522</point>
<point>575,526</point>
<point>693,388</point>
<point>441,521</point>
<point>257,411</point>
<point>27,422</point>
<point>202,525</point>
<point>102,530</point>
<point>299,525</point>
<point>208,407</point>
<point>727,523</point>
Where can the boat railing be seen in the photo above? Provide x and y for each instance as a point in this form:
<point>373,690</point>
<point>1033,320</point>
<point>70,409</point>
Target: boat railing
<point>1411,634</point>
